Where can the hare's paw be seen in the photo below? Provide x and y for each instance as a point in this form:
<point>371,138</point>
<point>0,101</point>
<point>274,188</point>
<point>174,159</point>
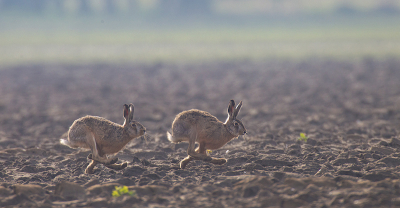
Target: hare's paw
<point>117,166</point>
<point>111,161</point>
<point>184,162</point>
<point>208,159</point>
<point>218,161</point>
<point>103,160</point>
<point>89,169</point>
<point>124,165</point>
<point>114,160</point>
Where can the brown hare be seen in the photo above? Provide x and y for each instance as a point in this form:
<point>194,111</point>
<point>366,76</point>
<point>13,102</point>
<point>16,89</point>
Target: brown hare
<point>196,126</point>
<point>103,137</point>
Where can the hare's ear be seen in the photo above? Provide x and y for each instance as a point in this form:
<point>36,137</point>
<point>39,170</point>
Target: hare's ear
<point>237,109</point>
<point>131,110</point>
<point>231,108</point>
<point>126,112</point>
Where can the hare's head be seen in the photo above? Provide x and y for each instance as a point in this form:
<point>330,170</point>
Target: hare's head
<point>134,128</point>
<point>234,125</point>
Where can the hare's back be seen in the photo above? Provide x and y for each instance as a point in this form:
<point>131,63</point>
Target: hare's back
<point>94,122</point>
<point>194,116</point>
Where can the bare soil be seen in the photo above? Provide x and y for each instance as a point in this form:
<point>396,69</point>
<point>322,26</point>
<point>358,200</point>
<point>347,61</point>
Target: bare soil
<point>350,112</point>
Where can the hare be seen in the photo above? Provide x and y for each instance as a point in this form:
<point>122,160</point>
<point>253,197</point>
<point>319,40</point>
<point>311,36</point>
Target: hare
<point>196,126</point>
<point>103,137</point>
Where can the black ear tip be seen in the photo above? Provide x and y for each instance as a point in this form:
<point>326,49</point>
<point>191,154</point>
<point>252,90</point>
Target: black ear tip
<point>232,102</point>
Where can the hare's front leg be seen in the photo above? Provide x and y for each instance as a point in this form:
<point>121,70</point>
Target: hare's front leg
<point>91,141</point>
<point>185,161</point>
<point>90,167</point>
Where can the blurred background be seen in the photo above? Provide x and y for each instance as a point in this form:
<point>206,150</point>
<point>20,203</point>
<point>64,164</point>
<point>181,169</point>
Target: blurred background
<point>148,31</point>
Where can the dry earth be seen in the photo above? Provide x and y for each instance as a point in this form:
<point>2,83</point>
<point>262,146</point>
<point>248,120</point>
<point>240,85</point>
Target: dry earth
<point>349,110</point>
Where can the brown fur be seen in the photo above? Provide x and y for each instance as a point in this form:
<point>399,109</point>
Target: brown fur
<point>196,126</point>
<point>103,137</point>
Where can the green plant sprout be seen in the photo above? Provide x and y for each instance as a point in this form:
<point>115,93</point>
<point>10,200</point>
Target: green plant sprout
<point>303,137</point>
<point>208,151</point>
<point>122,190</point>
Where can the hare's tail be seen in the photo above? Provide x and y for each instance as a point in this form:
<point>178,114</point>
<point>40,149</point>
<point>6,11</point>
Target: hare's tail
<point>171,138</point>
<point>64,139</point>
<point>64,142</point>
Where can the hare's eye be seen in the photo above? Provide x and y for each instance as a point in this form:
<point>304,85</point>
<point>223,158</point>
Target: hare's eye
<point>133,125</point>
<point>236,124</point>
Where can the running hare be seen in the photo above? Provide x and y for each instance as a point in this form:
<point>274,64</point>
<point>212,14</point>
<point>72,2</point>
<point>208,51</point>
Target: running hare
<point>202,127</point>
<point>103,137</point>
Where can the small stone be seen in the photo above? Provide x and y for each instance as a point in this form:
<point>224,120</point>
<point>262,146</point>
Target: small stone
<point>28,189</point>
<point>4,191</point>
<point>70,191</point>
<point>390,161</point>
<point>394,142</point>
<point>102,189</point>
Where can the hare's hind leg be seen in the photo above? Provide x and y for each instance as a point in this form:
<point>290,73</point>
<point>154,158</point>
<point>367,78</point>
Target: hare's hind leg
<point>192,152</point>
<point>217,161</point>
<point>91,141</point>
<point>111,166</point>
<point>117,166</point>
<point>93,163</point>
<point>113,160</point>
<point>200,149</point>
